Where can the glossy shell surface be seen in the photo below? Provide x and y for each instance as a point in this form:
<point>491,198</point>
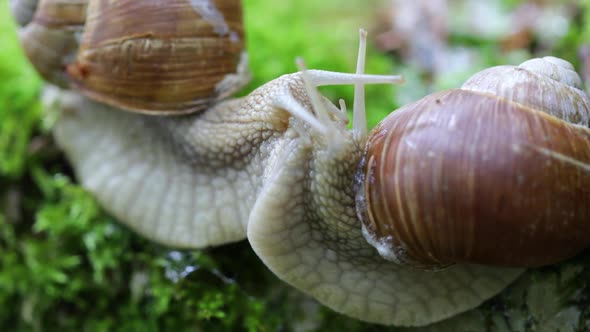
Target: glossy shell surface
<point>154,58</point>
<point>481,175</point>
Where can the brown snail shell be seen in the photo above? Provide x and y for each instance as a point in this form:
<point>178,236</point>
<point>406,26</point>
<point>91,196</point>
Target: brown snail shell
<point>155,59</point>
<point>50,37</point>
<point>497,172</point>
<point>139,55</point>
<point>23,10</point>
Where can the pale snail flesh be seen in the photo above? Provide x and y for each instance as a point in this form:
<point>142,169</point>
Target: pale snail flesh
<point>139,55</point>
<point>496,172</point>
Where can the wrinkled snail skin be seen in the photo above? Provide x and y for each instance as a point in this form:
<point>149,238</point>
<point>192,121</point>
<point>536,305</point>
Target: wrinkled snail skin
<point>304,228</point>
<point>187,182</point>
<point>452,177</point>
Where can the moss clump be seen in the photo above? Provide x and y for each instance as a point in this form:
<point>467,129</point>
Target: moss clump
<point>69,266</point>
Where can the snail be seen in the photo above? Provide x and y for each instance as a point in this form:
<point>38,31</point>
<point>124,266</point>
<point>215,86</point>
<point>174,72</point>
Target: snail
<point>138,55</point>
<point>349,217</point>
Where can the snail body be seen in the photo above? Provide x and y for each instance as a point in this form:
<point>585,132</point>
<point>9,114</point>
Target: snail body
<point>278,166</point>
<point>249,168</point>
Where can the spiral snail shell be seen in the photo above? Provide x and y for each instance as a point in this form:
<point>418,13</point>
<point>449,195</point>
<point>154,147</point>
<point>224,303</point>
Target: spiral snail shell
<point>50,34</point>
<point>23,10</point>
<point>139,55</point>
<point>496,172</point>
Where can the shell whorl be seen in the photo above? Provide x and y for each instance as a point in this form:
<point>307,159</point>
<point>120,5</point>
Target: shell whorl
<point>554,68</point>
<point>50,37</point>
<point>23,10</point>
<point>546,84</point>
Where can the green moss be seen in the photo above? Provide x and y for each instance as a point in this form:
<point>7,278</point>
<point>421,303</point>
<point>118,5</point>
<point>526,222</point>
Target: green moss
<point>19,107</point>
<point>77,268</point>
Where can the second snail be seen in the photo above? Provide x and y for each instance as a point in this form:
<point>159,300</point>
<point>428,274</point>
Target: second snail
<point>398,226</point>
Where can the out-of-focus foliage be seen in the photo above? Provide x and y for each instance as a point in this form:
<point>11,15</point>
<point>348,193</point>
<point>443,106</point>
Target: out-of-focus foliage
<point>65,265</point>
<point>438,44</point>
<point>19,108</point>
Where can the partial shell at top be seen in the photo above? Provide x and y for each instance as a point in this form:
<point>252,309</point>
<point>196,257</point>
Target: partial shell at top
<point>150,56</point>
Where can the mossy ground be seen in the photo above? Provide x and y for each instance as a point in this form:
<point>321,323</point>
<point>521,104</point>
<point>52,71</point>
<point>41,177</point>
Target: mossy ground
<point>66,265</point>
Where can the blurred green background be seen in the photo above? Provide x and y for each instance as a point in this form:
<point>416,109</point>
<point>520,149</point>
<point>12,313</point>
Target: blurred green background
<point>66,265</point>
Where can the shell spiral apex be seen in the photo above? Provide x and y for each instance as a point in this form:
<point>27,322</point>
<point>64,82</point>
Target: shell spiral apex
<point>554,68</point>
<point>23,10</point>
